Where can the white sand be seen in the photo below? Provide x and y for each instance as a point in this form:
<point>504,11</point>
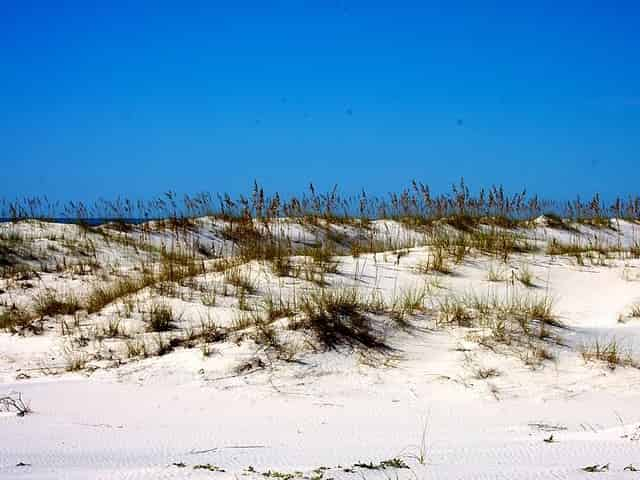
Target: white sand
<point>135,418</point>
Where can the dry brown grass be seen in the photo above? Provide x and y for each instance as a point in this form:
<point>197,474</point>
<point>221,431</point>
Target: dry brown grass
<point>609,352</point>
<point>160,318</point>
<point>16,319</point>
<point>523,323</point>
<point>338,317</point>
<point>51,303</point>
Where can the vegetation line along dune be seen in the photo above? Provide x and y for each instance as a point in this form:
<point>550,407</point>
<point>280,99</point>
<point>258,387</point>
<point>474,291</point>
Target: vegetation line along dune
<point>483,299</point>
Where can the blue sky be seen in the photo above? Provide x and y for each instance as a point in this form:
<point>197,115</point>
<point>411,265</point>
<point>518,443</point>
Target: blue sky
<point>115,99</point>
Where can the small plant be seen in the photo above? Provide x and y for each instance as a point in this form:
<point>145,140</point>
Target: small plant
<point>243,304</point>
<point>164,346</point>
<point>409,302</point>
<point>209,467</point>
<point>277,308</point>
<point>525,276</point>
<point>17,319</point>
<point>76,360</point>
<point>609,352</point>
<point>281,266</point>
<point>391,463</point>
<point>238,278</point>
<point>596,468</point>
<point>13,402</point>
<point>322,258</point>
<point>436,262</point>
<point>103,295</point>
<point>394,463</point>
<point>136,348</point>
<point>113,328</point>
<point>50,304</point>
<point>278,475</point>
<point>484,373</point>
<point>496,274</point>
<point>338,317</point>
<point>207,350</point>
<point>210,332</point>
<point>160,318</point>
<point>209,298</point>
<point>243,320</point>
<point>422,449</point>
<point>536,355</point>
<point>540,308</point>
<point>454,311</point>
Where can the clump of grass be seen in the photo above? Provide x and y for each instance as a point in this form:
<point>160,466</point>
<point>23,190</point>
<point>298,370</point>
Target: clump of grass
<point>634,311</point>
<point>50,304</point>
<point>245,319</point>
<point>485,373</point>
<point>338,318</point>
<point>209,467</point>
<point>499,242</point>
<point>452,310</point>
<point>210,332</point>
<point>407,303</point>
<point>113,328</point>
<point>496,274</point>
<point>259,325</point>
<point>373,244</point>
<point>553,220</point>
<point>279,475</point>
<point>13,402</point>
<point>241,280</point>
<point>322,258</point>
<point>536,355</point>
<point>281,266</point>
<point>390,463</point>
<point>494,241</point>
<point>243,303</point>
<point>310,272</point>
<point>16,319</point>
<point>207,350</point>
<point>525,276</point>
<point>436,262</point>
<point>164,345</point>
<point>103,295</point>
<point>176,266</point>
<point>609,352</point>
<point>594,250</point>
<point>75,359</point>
<point>265,332</point>
<point>161,318</point>
<point>275,308</point>
<point>539,307</point>
<point>136,348</point>
<point>209,297</point>
<point>524,323</point>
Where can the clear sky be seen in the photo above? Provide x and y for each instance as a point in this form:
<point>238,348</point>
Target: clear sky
<point>135,98</point>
